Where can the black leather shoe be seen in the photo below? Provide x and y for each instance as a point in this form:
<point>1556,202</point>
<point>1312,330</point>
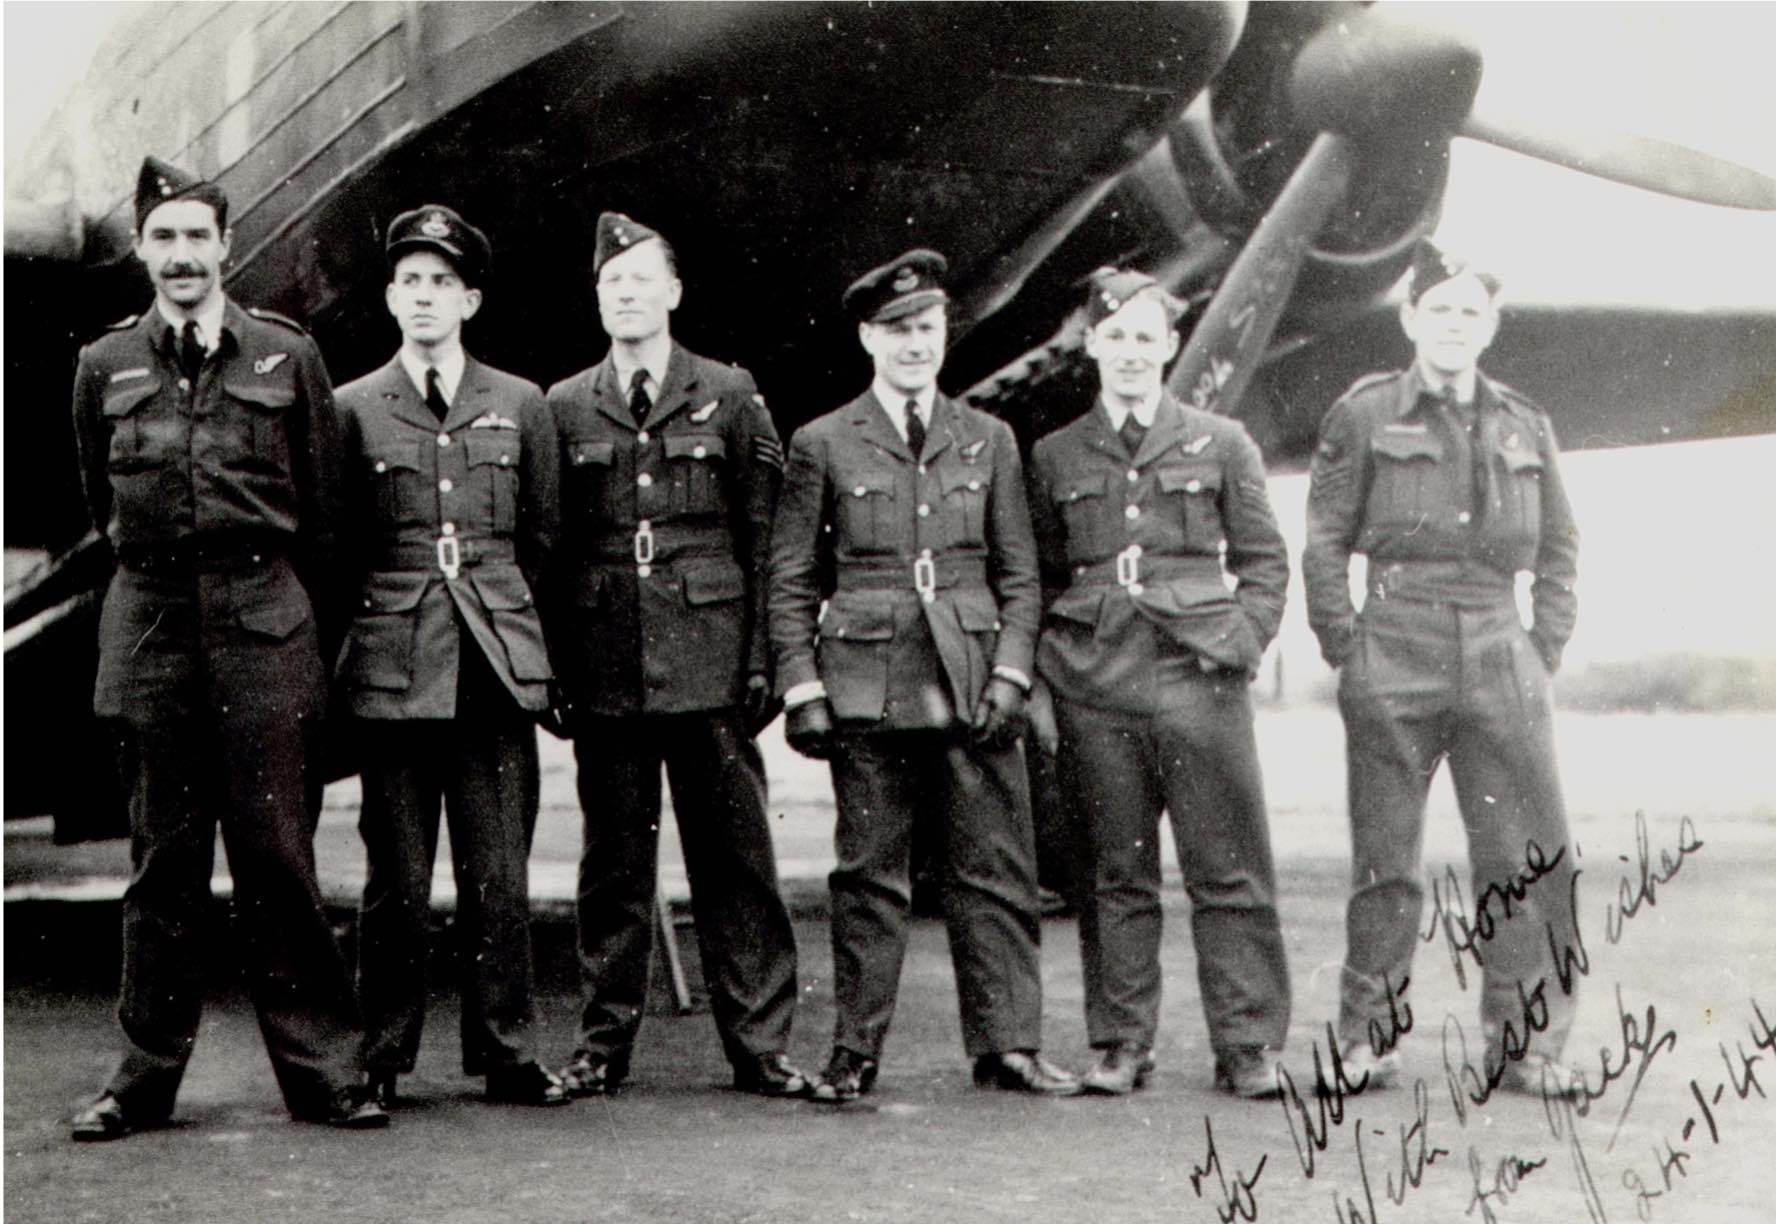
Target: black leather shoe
<point>848,1075</point>
<point>526,1084</point>
<point>1024,1071</point>
<point>1120,1070</point>
<point>771,1075</point>
<point>353,1108</point>
<point>594,1074</point>
<point>382,1088</point>
<point>105,1120</point>
<point>1247,1071</point>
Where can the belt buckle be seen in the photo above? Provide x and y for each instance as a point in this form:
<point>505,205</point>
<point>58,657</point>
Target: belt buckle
<point>449,556</point>
<point>925,578</point>
<point>644,542</point>
<point>1128,569</point>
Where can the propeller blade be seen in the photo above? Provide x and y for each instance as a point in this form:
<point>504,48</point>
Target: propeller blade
<point>1229,340</point>
<point>1639,161</point>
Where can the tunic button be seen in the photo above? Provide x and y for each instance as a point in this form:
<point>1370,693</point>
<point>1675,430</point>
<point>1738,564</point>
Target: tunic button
<point>643,570</point>
<point>184,384</point>
<point>1133,475</point>
<point>1193,486</point>
<point>642,437</point>
<point>381,466</point>
<point>1133,512</point>
<point>859,491</point>
<point>921,469</point>
<point>1463,517</point>
<point>974,486</point>
<point>366,603</point>
<point>645,480</point>
<point>505,460</point>
<point>1136,588</point>
<point>697,452</point>
<point>448,529</point>
<point>924,510</point>
<point>443,439</point>
<point>444,486</point>
<point>928,596</point>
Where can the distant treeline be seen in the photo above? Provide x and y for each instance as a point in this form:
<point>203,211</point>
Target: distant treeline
<point>1670,684</point>
<point>1673,683</point>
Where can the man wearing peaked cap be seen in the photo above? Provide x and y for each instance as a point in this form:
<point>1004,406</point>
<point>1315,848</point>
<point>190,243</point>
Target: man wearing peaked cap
<point>451,483</point>
<point>1449,483</point>
<point>1144,508</point>
<point>209,457</point>
<point>670,467</point>
<point>903,512</point>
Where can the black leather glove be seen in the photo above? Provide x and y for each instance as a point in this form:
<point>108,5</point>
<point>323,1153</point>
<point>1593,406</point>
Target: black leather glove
<point>556,718</point>
<point>999,717</point>
<point>759,704</point>
<point>809,729</point>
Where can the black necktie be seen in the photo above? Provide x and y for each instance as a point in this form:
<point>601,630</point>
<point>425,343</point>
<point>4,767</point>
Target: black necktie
<point>191,350</point>
<point>435,395</point>
<point>1133,434</point>
<point>915,429</point>
<point>639,399</point>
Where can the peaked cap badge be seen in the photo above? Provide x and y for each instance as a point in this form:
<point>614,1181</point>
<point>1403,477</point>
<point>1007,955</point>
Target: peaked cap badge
<point>907,281</point>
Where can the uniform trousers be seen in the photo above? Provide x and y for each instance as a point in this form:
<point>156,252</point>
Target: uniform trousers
<point>1194,756</point>
<point>1428,681</point>
<point>743,930</point>
<point>195,757</point>
<point>482,765</point>
<point>886,782</point>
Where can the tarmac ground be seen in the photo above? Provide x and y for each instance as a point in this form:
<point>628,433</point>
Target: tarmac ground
<point>1674,1032</point>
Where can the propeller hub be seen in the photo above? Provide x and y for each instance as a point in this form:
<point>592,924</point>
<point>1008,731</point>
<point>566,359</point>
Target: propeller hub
<point>1375,78</point>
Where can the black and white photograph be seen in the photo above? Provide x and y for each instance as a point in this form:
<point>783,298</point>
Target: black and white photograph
<point>888,610</point>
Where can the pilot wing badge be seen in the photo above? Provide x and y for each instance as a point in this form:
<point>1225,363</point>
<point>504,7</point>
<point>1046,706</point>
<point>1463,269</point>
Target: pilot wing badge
<point>270,362</point>
<point>493,420</point>
<point>706,411</point>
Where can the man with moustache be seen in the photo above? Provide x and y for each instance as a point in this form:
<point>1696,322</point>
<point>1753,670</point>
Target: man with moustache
<point>1448,482</point>
<point>209,457</point>
<point>451,489</point>
<point>904,512</point>
<point>669,467</point>
<point>1143,509</point>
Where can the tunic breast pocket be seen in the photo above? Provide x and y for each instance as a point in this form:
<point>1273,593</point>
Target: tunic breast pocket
<point>256,437</point>
<point>400,497</point>
<point>866,513</point>
<point>696,463</point>
<point>1405,472</point>
<point>588,478</point>
<point>965,503</point>
<point>1198,488</point>
<point>1520,492</point>
<point>1085,510</point>
<point>493,476</point>
<point>133,447</point>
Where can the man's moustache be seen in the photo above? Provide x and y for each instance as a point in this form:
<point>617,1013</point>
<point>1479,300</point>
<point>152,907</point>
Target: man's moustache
<point>172,270</point>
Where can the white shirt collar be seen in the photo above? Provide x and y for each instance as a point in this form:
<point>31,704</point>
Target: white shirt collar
<point>1145,411</point>
<point>894,403</point>
<point>209,321</point>
<point>450,371</point>
<point>624,366</point>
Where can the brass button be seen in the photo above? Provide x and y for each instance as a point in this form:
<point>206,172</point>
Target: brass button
<point>643,570</point>
<point>444,486</point>
<point>381,466</point>
<point>697,452</point>
<point>1133,512</point>
<point>859,491</point>
<point>1133,475</point>
<point>645,480</point>
<point>443,439</point>
<point>642,437</point>
<point>448,529</point>
<point>924,510</point>
<point>1193,486</point>
<point>1464,517</point>
<point>974,486</point>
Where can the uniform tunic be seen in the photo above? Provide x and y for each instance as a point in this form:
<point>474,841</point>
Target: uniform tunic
<point>928,570</point>
<point>219,495</point>
<point>1448,504</point>
<point>442,668</point>
<point>1148,653</point>
<point>656,621</point>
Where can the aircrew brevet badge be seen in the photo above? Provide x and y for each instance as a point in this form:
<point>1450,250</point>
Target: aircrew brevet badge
<point>435,226</point>
<point>907,281</point>
<point>267,364</point>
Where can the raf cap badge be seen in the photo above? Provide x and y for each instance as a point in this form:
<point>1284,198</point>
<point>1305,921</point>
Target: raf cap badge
<point>435,226</point>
